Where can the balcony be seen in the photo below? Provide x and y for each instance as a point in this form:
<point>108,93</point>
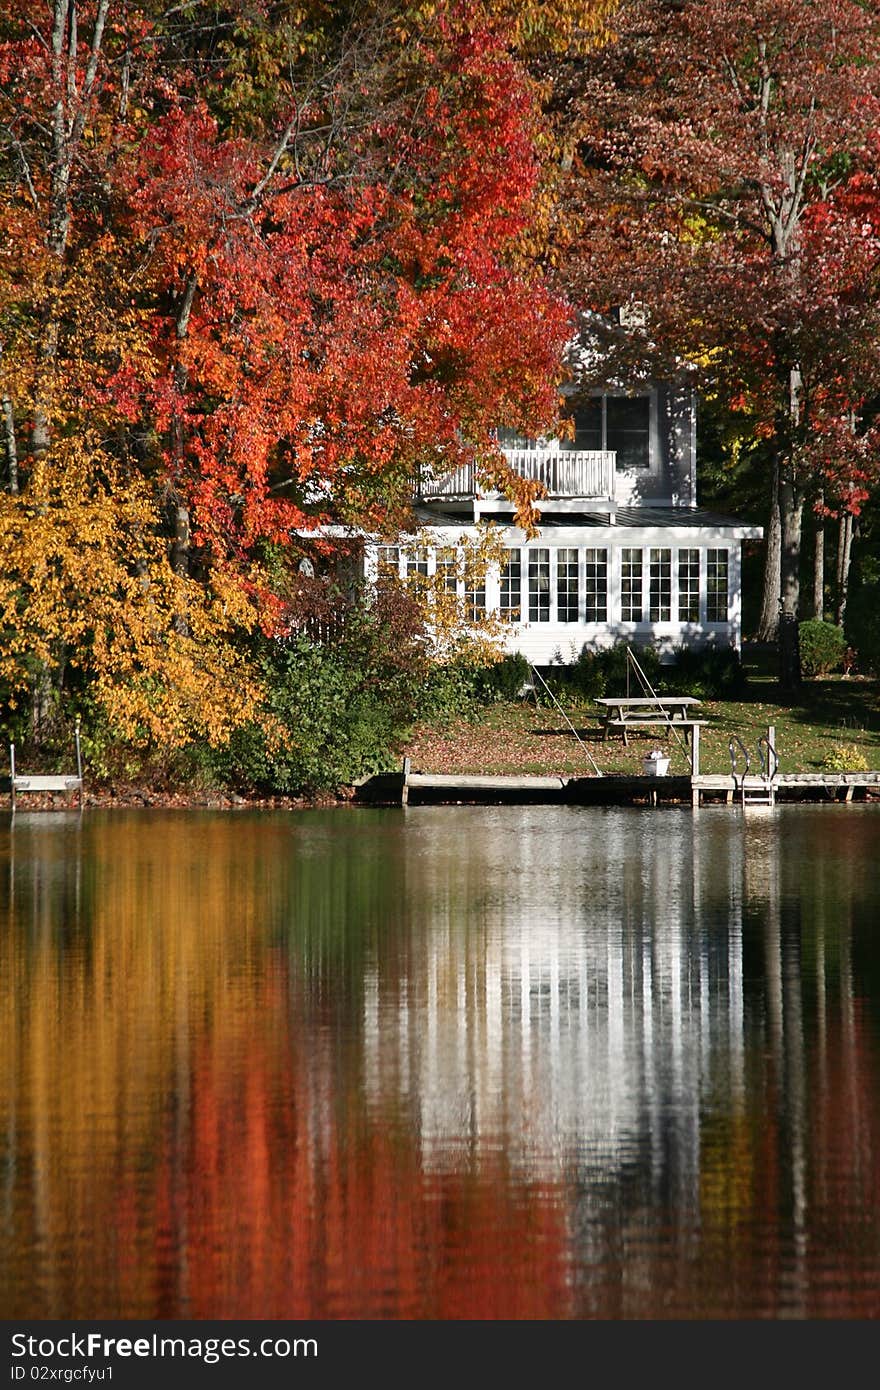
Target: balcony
<point>586,474</point>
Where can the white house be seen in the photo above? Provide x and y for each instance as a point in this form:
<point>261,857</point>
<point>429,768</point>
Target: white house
<point>623,553</point>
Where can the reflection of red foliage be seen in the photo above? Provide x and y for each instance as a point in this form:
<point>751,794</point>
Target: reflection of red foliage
<point>279,1194</point>
<point>298,1210</point>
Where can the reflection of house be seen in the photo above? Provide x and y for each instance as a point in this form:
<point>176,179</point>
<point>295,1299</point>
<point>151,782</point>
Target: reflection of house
<point>576,1028</point>
<point>623,551</point>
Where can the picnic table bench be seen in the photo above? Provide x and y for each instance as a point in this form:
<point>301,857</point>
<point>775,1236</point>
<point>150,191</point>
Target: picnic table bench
<point>627,713</point>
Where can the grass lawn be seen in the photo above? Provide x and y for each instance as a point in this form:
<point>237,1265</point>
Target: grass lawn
<point>521,737</point>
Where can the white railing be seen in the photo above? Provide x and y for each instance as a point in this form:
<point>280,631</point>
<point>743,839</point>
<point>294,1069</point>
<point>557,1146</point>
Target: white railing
<point>570,473</point>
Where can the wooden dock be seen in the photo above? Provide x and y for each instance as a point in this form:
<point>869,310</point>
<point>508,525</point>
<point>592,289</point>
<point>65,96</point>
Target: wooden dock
<point>407,788</point>
<point>45,784</point>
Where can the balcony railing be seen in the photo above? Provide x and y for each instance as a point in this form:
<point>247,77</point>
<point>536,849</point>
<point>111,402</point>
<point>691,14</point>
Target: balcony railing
<point>587,473</point>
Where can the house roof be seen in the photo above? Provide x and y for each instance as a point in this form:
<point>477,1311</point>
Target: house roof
<point>696,518</point>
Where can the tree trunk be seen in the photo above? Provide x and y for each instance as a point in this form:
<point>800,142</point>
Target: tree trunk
<point>791,518</point>
<point>181,542</point>
<point>844,556</point>
<point>768,623</point>
<point>11,448</point>
<point>819,567</point>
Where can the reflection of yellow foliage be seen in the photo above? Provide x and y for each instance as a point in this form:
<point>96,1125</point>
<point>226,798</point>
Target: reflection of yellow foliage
<point>726,1175</point>
<point>162,950</point>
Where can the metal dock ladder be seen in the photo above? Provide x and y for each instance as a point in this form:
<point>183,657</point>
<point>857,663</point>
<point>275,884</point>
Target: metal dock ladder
<point>40,784</point>
<point>759,790</point>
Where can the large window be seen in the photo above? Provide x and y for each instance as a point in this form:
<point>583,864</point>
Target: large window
<point>716,586</point>
<point>689,586</point>
<point>631,586</point>
<point>596,585</point>
<point>660,586</point>
<point>618,423</point>
<point>628,430</point>
<point>567,586</point>
<point>539,586</point>
<point>511,587</point>
<point>589,427</point>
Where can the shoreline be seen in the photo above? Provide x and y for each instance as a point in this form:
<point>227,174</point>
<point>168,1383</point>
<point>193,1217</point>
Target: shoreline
<point>136,799</point>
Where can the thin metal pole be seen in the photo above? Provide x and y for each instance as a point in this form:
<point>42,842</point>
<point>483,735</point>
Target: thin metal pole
<point>537,673</point>
<point>646,685</point>
<point>79,766</point>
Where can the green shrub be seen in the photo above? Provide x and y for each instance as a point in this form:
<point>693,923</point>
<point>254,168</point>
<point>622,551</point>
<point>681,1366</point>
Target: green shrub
<point>708,673</point>
<point>503,680</point>
<point>822,647</point>
<point>620,676</point>
<point>576,684</point>
<point>338,705</point>
<point>846,758</point>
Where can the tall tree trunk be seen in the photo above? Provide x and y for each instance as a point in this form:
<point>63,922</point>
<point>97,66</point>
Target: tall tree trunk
<point>819,566</point>
<point>848,527</point>
<point>791,508</point>
<point>74,86</point>
<point>11,447</point>
<point>768,623</point>
<point>181,541</point>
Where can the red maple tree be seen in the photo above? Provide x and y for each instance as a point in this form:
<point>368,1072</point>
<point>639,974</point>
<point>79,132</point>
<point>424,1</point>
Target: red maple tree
<point>715,140</point>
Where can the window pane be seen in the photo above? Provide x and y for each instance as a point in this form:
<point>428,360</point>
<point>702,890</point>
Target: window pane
<point>587,418</point>
<point>539,586</point>
<point>660,587</point>
<point>416,563</point>
<point>567,586</point>
<point>596,578</point>
<point>512,439</point>
<point>716,586</point>
<point>388,557</point>
<point>511,587</point>
<point>631,586</point>
<point>447,569</point>
<point>475,598</point>
<point>689,586</point>
<point>627,429</point>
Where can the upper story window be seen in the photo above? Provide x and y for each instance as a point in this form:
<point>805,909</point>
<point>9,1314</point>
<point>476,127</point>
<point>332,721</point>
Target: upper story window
<point>512,439</point>
<point>628,430</point>
<point>618,423</point>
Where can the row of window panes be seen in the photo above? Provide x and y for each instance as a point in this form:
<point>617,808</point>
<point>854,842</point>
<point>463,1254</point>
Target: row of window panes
<point>539,579</point>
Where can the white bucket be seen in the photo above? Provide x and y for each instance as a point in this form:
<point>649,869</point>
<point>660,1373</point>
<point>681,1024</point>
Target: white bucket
<point>655,767</point>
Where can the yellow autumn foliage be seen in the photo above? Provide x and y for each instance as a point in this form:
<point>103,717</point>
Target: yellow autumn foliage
<point>86,580</point>
<point>460,629</point>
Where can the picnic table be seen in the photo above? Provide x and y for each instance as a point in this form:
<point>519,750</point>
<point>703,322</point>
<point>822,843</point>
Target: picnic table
<point>625,713</point>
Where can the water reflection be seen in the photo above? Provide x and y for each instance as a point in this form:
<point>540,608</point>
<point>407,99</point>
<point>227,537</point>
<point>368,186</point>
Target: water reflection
<point>522,1062</point>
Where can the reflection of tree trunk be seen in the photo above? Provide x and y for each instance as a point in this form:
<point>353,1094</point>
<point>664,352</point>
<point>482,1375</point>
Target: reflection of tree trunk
<point>819,566</point>
<point>768,623</point>
<point>844,556</point>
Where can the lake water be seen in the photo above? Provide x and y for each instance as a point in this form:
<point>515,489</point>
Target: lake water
<point>518,1062</point>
